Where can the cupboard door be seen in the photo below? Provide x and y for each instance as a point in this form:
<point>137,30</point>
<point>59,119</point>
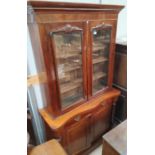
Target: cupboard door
<point>102,120</point>
<point>67,44</point>
<point>100,54</point>
<point>78,135</point>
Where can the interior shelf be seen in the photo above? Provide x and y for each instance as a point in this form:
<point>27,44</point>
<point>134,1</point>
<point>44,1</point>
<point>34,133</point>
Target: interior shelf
<point>78,66</point>
<point>99,75</point>
<point>100,59</point>
<point>69,99</point>
<point>95,49</point>
<point>102,39</point>
<point>70,86</point>
<point>69,55</point>
<point>72,68</point>
<point>96,88</point>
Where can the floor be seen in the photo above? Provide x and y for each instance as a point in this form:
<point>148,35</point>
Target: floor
<point>97,151</point>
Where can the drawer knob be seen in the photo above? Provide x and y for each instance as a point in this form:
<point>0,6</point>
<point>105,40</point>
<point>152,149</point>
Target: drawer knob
<point>77,118</point>
<point>103,104</point>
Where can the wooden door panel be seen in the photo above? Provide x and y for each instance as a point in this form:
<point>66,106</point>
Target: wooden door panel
<point>102,120</point>
<point>78,135</point>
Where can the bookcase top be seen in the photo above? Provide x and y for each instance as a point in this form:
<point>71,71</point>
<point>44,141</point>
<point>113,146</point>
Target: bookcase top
<point>48,4</point>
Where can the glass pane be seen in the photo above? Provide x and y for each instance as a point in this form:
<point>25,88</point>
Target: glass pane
<point>100,55</point>
<point>68,53</point>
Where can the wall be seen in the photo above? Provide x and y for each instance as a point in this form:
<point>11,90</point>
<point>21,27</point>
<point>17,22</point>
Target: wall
<point>122,19</point>
<point>31,70</point>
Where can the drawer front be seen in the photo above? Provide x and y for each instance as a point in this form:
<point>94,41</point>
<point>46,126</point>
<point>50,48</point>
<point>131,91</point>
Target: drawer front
<point>102,119</point>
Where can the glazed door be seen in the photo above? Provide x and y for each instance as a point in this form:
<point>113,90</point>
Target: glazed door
<point>69,59</point>
<point>100,55</point>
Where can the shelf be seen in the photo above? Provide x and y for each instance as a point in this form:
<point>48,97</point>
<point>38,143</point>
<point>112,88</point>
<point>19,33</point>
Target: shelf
<point>99,60</point>
<point>97,88</point>
<point>69,55</point>
<point>64,75</point>
<point>70,86</point>
<point>102,39</point>
<point>95,49</point>
<point>67,101</point>
<point>72,68</point>
<point>99,75</point>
